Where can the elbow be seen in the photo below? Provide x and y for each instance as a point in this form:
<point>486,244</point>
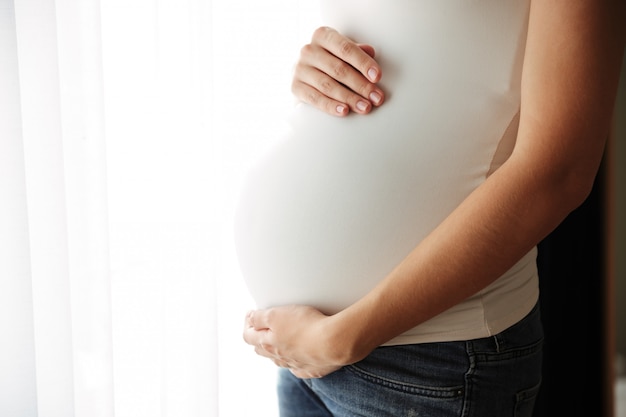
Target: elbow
<point>564,176</point>
<point>573,186</point>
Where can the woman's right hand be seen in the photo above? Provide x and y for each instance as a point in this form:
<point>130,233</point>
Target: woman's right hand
<point>337,75</point>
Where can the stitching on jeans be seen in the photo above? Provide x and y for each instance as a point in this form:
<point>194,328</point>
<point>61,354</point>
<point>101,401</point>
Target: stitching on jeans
<point>497,342</point>
<point>447,392</point>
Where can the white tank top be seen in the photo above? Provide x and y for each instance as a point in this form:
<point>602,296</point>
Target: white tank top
<point>337,203</point>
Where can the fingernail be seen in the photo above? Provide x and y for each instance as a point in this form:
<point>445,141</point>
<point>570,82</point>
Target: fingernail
<point>375,97</point>
<point>361,105</point>
<point>372,73</point>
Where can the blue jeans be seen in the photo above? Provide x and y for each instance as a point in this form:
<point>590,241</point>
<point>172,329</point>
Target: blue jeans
<point>490,377</point>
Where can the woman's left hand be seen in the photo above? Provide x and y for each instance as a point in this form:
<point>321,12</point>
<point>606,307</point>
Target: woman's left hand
<point>294,337</point>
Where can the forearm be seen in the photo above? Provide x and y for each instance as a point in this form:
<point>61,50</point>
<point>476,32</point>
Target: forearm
<point>490,231</point>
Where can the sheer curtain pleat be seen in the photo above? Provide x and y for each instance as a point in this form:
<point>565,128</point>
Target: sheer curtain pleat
<point>57,173</point>
<point>46,204</point>
<point>84,151</point>
<point>18,390</point>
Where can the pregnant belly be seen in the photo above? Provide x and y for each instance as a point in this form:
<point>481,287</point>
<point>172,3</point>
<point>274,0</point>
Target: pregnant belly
<point>332,208</point>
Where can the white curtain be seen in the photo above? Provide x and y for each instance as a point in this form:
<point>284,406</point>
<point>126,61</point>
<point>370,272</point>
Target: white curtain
<point>55,293</point>
<point>125,126</point>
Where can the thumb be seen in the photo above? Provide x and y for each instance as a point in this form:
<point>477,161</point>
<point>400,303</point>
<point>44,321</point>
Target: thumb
<point>257,319</point>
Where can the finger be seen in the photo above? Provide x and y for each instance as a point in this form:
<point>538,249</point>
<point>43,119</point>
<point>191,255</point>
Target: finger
<point>312,96</point>
<point>281,363</point>
<point>310,373</point>
<point>250,336</point>
<point>321,91</point>
<point>336,78</point>
<point>261,342</point>
<point>368,49</point>
<point>348,51</point>
<point>318,89</point>
<point>327,86</point>
<point>254,336</point>
<point>258,319</point>
<point>248,319</point>
<point>263,350</point>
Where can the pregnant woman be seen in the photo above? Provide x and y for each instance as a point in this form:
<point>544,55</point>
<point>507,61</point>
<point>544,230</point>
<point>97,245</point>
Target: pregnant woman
<point>390,237</point>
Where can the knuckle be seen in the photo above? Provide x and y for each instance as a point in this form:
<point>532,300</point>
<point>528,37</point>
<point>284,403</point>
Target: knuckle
<point>339,70</point>
<point>363,89</point>
<point>352,100</point>
<point>330,107</point>
<point>320,102</point>
<point>307,50</point>
<point>299,70</point>
<point>312,98</point>
<point>316,99</point>
<point>326,87</point>
<point>322,32</point>
<point>346,47</point>
<point>365,62</point>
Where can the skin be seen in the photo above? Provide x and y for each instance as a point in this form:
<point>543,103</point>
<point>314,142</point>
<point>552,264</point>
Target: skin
<point>569,82</point>
<point>332,61</point>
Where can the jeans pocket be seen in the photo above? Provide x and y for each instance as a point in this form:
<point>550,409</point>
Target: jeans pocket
<point>435,370</point>
<point>525,401</point>
<point>401,384</point>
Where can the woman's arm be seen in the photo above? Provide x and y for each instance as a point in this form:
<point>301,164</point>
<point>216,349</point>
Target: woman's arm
<point>569,81</point>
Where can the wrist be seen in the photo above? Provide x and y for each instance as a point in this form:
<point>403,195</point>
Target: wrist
<point>344,340</point>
